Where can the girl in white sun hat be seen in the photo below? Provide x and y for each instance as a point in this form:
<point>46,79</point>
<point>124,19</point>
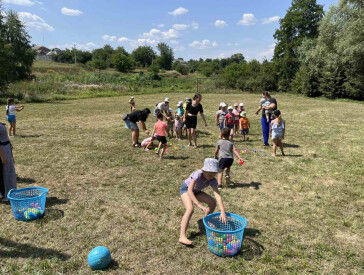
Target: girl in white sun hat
<point>192,194</point>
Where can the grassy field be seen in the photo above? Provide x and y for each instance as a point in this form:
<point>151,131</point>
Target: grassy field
<point>304,210</point>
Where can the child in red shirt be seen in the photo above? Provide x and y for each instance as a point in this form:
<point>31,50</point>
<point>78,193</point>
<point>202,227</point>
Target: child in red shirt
<point>160,131</point>
<point>229,121</point>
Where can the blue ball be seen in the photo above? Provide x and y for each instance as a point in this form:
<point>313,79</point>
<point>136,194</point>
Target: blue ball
<point>99,258</point>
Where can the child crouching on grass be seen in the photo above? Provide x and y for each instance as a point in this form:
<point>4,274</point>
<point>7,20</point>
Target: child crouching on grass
<point>192,194</point>
<point>160,131</point>
<point>277,130</point>
<point>225,149</point>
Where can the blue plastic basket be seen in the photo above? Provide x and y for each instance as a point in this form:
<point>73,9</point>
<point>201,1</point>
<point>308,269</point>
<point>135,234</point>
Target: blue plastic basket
<point>28,203</point>
<point>224,239</point>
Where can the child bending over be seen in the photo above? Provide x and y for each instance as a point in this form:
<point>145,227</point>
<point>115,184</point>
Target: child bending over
<point>192,194</point>
<point>225,149</point>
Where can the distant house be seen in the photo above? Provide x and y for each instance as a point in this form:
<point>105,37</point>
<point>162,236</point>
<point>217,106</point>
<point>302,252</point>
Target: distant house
<point>43,53</point>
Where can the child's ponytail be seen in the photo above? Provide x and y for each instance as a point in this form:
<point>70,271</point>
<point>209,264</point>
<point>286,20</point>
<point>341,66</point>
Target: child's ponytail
<point>277,114</point>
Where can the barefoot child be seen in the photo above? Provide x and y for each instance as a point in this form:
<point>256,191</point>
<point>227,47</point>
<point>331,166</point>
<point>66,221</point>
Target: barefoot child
<point>10,113</point>
<point>225,149</point>
<point>244,126</point>
<point>160,131</point>
<point>277,129</point>
<point>192,194</point>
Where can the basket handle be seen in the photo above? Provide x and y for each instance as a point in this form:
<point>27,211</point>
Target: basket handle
<point>11,191</point>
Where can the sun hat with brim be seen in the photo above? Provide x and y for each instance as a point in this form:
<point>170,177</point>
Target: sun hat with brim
<point>230,108</point>
<point>243,114</point>
<point>170,110</point>
<point>241,104</point>
<point>236,104</point>
<point>223,105</point>
<point>211,165</point>
<point>166,99</point>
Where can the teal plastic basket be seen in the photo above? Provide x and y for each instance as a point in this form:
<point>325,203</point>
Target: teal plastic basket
<point>28,203</point>
<point>224,239</point>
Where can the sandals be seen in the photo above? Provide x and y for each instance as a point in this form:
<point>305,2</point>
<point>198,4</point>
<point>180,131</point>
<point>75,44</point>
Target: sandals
<point>137,145</point>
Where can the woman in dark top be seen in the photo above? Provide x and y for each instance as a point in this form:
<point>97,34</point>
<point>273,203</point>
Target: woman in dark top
<point>190,118</point>
<point>131,123</point>
<point>264,121</point>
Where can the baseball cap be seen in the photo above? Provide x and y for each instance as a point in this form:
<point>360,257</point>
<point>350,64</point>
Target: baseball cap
<point>241,104</point>
<point>236,104</point>
<point>166,99</point>
<point>230,108</point>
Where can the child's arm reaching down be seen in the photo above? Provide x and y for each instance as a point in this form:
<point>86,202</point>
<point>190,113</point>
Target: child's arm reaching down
<point>194,199</point>
<point>220,203</point>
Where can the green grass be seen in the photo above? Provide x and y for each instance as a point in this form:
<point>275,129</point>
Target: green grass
<point>305,210</point>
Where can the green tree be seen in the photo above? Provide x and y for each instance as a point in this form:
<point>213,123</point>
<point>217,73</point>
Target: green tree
<point>103,56</point>
<point>17,44</point>
<point>235,72</point>
<point>237,58</point>
<point>122,62</point>
<point>206,68</point>
<point>143,56</point>
<point>4,53</point>
<point>166,56</point>
<point>301,21</point>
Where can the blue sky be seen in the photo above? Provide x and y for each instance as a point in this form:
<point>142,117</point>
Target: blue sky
<point>194,29</point>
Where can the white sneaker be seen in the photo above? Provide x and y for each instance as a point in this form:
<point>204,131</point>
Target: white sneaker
<point>227,179</point>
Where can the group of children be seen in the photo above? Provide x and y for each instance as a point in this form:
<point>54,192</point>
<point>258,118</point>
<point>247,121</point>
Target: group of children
<point>233,118</point>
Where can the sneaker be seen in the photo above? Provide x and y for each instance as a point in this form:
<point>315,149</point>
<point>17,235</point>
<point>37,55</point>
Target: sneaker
<point>146,149</point>
<point>219,187</point>
<point>227,179</point>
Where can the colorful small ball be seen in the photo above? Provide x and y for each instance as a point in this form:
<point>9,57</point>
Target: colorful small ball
<point>99,258</point>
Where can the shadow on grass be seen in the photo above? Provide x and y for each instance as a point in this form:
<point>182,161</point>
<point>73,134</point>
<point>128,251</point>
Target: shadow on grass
<point>54,201</point>
<point>292,156</point>
<point>29,136</point>
<point>200,133</point>
<point>50,215</point>
<point>287,145</point>
<point>18,250</point>
<point>24,180</point>
<point>113,265</point>
<point>176,157</point>
<point>206,146</point>
<point>250,247</point>
<point>253,184</point>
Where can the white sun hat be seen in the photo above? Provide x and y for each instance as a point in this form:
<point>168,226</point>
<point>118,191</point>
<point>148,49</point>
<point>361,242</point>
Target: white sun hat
<point>166,99</point>
<point>211,165</point>
<point>230,108</point>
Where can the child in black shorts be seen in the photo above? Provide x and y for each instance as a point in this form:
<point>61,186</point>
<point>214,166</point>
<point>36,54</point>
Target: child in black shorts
<point>225,150</point>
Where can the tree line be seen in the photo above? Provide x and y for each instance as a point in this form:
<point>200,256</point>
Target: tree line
<point>316,54</point>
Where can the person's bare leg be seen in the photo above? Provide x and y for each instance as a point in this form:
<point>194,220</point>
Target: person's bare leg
<point>193,132</point>
<point>232,134</point>
<point>205,198</point>
<point>135,136</point>
<point>219,178</point>
<point>188,204</point>
<point>14,128</point>
<point>159,147</point>
<point>274,147</point>
<point>163,150</point>
<point>189,132</point>
<point>10,128</point>
<point>281,147</point>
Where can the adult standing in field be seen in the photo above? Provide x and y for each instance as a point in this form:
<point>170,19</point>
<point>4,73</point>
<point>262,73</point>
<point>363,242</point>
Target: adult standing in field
<point>131,123</point>
<point>190,118</point>
<point>163,108</point>
<point>268,104</point>
<point>8,175</point>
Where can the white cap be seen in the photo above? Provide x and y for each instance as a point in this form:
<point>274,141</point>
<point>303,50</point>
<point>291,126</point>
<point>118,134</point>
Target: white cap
<point>180,103</point>
<point>241,104</point>
<point>230,108</point>
<point>170,110</point>
<point>166,99</point>
<point>223,104</point>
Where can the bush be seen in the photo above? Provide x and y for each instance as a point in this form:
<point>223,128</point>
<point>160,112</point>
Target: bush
<point>182,69</point>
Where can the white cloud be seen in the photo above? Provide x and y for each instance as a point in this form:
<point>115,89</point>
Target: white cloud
<point>174,42</point>
<point>71,12</point>
<point>178,11</point>
<point>160,26</point>
<point>147,41</point>
<point>220,24</point>
<point>158,34</point>
<point>232,44</point>
<point>34,22</point>
<point>204,44</point>
<point>123,39</point>
<point>195,25</point>
<point>248,20</point>
<point>270,20</point>
<point>110,38</point>
<point>180,27</point>
<point>20,2</point>
<point>82,46</point>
